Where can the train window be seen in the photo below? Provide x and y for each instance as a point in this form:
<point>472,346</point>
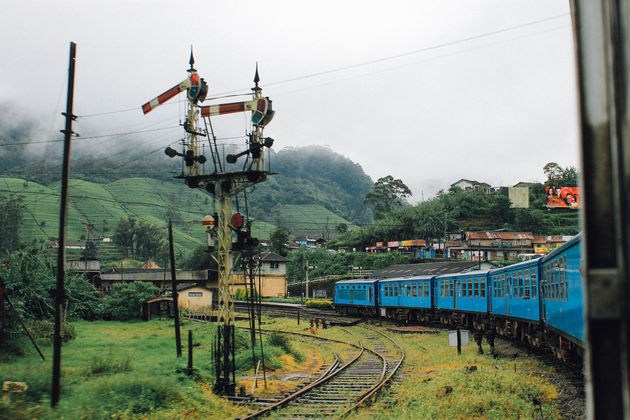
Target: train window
<point>526,284</point>
<point>451,290</point>
<point>414,292</point>
<point>520,284</point>
<point>554,276</point>
<point>482,289</point>
<point>426,289</point>
<point>464,287</point>
<point>533,284</point>
<point>560,277</point>
<point>566,279</point>
<point>408,289</point>
<point>470,288</point>
<point>514,279</point>
<point>396,290</point>
<point>476,287</point>
<point>386,290</point>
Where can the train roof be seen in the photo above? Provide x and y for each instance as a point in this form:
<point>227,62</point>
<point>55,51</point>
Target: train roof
<point>576,240</point>
<point>423,269</point>
<point>522,264</point>
<point>357,281</point>
<point>467,273</point>
<point>406,278</point>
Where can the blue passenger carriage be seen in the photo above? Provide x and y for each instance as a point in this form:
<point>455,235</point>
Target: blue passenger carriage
<point>406,298</point>
<point>463,296</point>
<point>357,296</point>
<point>563,296</point>
<point>515,300</point>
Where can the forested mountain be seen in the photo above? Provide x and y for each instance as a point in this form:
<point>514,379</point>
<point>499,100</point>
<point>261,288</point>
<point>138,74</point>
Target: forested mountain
<point>314,190</point>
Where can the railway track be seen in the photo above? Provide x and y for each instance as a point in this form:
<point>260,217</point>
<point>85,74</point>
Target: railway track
<point>346,384</point>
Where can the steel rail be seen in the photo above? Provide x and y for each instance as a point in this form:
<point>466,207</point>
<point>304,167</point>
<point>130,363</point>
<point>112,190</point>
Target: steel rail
<point>376,388</point>
<point>317,382</point>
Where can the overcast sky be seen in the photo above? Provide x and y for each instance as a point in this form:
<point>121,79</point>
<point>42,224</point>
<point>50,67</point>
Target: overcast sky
<point>425,91</point>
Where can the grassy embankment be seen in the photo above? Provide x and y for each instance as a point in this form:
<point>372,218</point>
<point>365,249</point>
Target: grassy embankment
<point>439,384</point>
<point>130,370</point>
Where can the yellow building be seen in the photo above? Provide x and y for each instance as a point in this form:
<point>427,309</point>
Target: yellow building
<point>271,278</point>
<point>194,298</point>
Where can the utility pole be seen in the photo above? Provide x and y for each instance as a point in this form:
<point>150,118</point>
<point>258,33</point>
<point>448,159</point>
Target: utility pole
<point>61,254</point>
<point>178,338</point>
<point>307,278</point>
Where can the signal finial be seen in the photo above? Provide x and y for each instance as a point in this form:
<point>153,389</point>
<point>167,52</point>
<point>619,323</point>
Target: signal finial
<point>192,59</point>
<point>256,79</point>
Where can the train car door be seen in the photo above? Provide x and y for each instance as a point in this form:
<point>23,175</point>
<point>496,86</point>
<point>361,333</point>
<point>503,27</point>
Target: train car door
<point>541,293</point>
<point>456,284</point>
<point>508,291</point>
<point>401,291</point>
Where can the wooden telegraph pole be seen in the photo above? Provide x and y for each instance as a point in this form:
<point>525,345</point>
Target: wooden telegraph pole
<point>61,254</point>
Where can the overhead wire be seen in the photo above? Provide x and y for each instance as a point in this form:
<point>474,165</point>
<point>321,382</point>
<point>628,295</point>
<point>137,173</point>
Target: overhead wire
<point>234,93</point>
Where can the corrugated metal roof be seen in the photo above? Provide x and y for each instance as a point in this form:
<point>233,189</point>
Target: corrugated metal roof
<point>422,269</point>
<point>271,257</point>
<point>499,235</point>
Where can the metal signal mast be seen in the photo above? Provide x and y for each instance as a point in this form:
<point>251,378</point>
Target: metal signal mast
<point>224,185</point>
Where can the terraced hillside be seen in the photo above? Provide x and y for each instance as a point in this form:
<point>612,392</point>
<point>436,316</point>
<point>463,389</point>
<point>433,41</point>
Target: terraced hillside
<point>101,206</point>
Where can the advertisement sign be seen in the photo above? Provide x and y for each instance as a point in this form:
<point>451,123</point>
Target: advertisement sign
<point>563,197</point>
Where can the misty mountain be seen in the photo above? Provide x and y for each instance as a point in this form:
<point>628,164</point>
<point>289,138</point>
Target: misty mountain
<point>312,175</point>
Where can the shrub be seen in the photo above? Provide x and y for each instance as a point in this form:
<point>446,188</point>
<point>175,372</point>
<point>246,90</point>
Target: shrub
<point>319,304</point>
<point>125,300</point>
<point>107,365</point>
<point>244,294</point>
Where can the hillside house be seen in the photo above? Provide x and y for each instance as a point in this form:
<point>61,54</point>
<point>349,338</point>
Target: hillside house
<point>546,244</point>
<point>483,246</point>
<point>468,185</point>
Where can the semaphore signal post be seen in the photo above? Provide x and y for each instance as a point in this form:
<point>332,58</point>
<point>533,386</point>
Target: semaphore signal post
<point>224,185</point>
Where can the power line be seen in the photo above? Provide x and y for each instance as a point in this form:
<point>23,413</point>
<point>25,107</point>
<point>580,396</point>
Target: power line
<point>234,93</point>
<point>425,49</point>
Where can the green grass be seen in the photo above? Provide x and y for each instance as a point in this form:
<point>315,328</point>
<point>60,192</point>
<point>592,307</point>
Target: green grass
<point>440,384</point>
<point>307,219</point>
<point>118,370</point>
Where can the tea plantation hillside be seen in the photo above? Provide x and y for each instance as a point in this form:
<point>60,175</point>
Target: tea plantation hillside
<point>95,209</point>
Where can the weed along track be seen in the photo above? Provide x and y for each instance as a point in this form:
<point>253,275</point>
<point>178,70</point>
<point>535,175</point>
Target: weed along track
<point>347,383</point>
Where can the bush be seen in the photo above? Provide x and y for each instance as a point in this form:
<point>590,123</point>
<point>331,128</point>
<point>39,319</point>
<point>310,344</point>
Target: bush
<point>125,300</point>
<point>100,365</point>
<point>46,329</point>
<point>282,341</point>
<point>244,294</point>
<point>319,304</point>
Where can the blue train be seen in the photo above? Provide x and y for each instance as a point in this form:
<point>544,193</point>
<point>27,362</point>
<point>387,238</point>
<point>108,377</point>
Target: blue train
<point>539,301</point>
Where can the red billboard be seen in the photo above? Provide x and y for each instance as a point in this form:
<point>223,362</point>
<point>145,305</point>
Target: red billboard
<point>563,197</point>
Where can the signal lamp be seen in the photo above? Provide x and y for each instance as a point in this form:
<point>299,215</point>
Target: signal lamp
<point>256,176</point>
<point>236,220</point>
<point>268,142</point>
<point>193,90</point>
<point>192,182</point>
<point>170,152</point>
<point>209,223</point>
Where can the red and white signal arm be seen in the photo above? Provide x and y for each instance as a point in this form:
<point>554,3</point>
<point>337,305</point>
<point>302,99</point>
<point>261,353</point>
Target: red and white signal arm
<point>209,224</point>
